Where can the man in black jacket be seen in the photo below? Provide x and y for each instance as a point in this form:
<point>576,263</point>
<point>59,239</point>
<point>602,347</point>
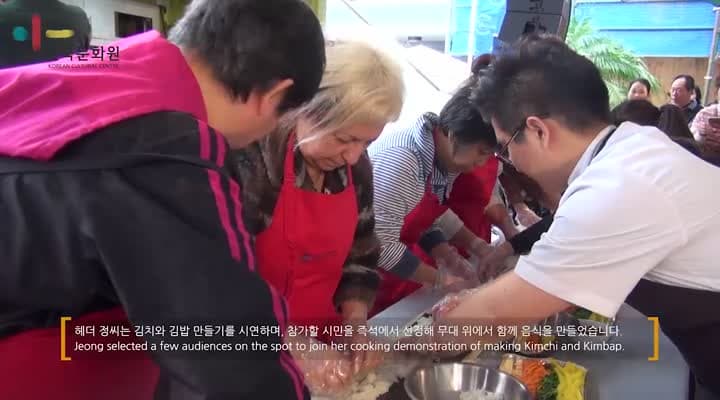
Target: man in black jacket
<point>117,204</point>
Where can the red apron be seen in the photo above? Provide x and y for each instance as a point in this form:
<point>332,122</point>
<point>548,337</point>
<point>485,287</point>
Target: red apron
<point>111,376</point>
<point>419,220</point>
<point>303,250</point>
<point>470,196</point>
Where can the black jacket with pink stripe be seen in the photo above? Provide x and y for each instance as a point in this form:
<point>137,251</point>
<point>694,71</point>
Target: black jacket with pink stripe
<point>165,240</point>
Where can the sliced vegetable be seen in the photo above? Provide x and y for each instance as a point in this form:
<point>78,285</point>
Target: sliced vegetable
<point>598,318</point>
<point>571,380</point>
<point>582,313</point>
<point>549,387</point>
<point>533,373</point>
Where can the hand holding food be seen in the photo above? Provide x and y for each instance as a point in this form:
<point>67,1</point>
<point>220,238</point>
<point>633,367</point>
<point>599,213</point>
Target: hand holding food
<point>327,372</point>
<point>494,263</point>
<point>480,248</point>
<point>363,362</point>
<point>452,263</point>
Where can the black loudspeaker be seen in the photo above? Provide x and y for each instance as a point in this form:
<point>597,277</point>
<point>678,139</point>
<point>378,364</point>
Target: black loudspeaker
<point>524,17</point>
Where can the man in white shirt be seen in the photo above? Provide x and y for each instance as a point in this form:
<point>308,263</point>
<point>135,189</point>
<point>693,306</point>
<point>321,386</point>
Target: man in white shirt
<point>638,220</point>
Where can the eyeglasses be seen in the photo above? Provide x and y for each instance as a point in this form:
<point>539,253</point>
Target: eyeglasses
<point>503,153</point>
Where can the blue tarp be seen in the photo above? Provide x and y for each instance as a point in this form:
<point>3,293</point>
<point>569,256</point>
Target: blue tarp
<point>490,14</point>
<point>648,28</point>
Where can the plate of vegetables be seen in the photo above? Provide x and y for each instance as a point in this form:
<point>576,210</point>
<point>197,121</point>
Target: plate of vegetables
<point>547,379</point>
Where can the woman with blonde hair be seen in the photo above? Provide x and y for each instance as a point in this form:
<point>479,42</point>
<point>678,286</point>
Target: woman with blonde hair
<point>308,198</point>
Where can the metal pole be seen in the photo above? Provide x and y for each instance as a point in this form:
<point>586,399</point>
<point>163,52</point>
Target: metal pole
<point>471,34</point>
<point>713,51</point>
<point>448,30</point>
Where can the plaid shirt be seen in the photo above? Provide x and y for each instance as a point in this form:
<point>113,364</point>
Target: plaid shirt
<point>260,169</point>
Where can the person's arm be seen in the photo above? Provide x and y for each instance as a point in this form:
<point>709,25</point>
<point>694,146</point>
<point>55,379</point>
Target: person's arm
<point>591,256</point>
<point>260,189</point>
<point>497,212</point>
<point>177,252</point>
<point>523,242</point>
<point>360,280</point>
<point>397,192</point>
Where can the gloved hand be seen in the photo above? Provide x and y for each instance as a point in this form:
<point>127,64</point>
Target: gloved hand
<point>327,372</point>
<point>480,248</point>
<point>493,264</point>
<point>453,269</point>
<point>525,216</point>
<point>440,312</point>
<point>364,361</point>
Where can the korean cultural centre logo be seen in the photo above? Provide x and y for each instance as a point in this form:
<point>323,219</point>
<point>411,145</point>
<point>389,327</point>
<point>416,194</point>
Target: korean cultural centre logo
<point>21,33</point>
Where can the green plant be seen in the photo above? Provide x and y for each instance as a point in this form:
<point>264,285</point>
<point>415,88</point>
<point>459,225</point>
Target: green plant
<point>618,65</point>
<point>175,10</point>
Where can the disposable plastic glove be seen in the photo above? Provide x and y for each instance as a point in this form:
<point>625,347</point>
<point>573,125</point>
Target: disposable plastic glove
<point>327,372</point>
<point>454,268</point>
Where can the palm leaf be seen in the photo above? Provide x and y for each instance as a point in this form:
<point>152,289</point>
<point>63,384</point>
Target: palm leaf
<point>618,65</point>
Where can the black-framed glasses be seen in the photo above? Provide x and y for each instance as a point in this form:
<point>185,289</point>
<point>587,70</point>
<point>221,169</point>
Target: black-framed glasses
<point>503,153</point>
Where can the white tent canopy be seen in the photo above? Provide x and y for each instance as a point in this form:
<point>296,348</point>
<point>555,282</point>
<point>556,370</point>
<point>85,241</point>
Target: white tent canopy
<point>430,76</point>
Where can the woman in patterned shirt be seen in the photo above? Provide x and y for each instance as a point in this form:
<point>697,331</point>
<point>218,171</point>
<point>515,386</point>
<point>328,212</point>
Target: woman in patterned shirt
<point>308,198</point>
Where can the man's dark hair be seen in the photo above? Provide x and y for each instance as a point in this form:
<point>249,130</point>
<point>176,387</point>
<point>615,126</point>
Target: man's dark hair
<point>641,112</point>
<point>540,75</point>
<point>689,81</point>
<point>252,44</point>
<point>462,118</point>
<point>641,81</point>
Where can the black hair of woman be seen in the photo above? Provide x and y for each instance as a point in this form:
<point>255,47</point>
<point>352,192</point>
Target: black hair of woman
<point>641,81</point>
<point>481,63</point>
<point>460,116</point>
<point>641,112</point>
<point>698,95</point>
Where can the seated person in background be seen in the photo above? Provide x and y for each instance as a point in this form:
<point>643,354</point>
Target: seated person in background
<point>309,199</point>
<point>706,130</point>
<point>682,93</point>
<point>639,111</point>
<point>668,118</point>
<point>64,30</point>
<point>697,95</point>
<point>639,90</point>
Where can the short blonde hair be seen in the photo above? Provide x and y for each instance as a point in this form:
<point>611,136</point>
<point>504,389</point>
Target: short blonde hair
<point>361,84</point>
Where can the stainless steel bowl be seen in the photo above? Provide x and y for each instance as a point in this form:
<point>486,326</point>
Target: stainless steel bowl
<point>446,382</point>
